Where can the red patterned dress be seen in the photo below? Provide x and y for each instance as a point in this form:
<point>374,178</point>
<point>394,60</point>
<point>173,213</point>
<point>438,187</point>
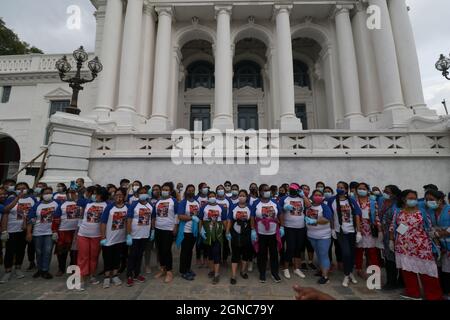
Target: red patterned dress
<point>413,250</point>
<point>368,241</point>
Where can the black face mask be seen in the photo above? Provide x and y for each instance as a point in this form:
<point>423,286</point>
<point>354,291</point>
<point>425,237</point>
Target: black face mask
<point>293,193</point>
<point>189,194</point>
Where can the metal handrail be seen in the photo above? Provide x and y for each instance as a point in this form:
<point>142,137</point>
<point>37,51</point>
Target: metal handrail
<point>28,164</point>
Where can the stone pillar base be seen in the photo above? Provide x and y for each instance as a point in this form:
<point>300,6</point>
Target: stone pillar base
<point>357,123</point>
<point>223,123</point>
<point>69,149</point>
<point>290,123</point>
<point>126,120</point>
<point>100,113</point>
<point>424,111</point>
<point>158,123</point>
<point>395,118</point>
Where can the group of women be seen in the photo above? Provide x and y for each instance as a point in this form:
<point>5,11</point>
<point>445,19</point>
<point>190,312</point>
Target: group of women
<point>283,226</point>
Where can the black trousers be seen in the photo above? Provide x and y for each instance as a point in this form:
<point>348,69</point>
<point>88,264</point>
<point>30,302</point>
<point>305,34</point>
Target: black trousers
<point>31,252</point>
<point>295,242</point>
<point>241,253</point>
<point>164,240</point>
<point>393,275</point>
<point>15,249</point>
<point>62,259</point>
<point>267,245</point>
<point>187,246</point>
<point>111,256</point>
<point>347,242</point>
<point>214,253</point>
<point>445,281</point>
<point>135,257</point>
<point>226,248</point>
<point>200,250</point>
<point>337,250</point>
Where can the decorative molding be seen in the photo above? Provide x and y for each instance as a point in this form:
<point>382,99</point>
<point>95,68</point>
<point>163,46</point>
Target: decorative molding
<point>58,93</point>
<point>223,9</point>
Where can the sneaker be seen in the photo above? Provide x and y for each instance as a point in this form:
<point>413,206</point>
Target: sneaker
<point>31,267</point>
<point>286,274</point>
<point>352,278</point>
<point>130,282</point>
<point>19,274</point>
<point>116,281</point>
<point>93,280</point>
<point>106,283</point>
<point>46,275</point>
<point>250,266</point>
<point>323,280</point>
<point>140,279</point>
<point>244,275</point>
<point>304,266</point>
<point>216,280</point>
<point>299,273</point>
<point>6,277</point>
<point>346,281</point>
<point>404,296</point>
<point>276,278</point>
<point>233,281</point>
<point>262,278</point>
<point>211,274</point>
<point>312,266</point>
<point>37,274</point>
<point>187,276</point>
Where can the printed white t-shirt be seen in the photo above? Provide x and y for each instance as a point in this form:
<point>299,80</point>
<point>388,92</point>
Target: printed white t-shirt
<point>318,231</point>
<point>42,217</point>
<point>70,216</point>
<point>90,225</point>
<point>238,213</point>
<point>189,208</point>
<point>294,218</point>
<point>265,210</point>
<point>115,219</point>
<point>142,218</point>
<point>165,211</point>
<point>18,214</point>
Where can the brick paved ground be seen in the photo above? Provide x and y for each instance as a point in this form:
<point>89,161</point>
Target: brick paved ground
<point>199,289</point>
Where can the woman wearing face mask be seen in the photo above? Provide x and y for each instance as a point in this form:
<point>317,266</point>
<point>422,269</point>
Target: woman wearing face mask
<point>225,204</point>
<point>227,187</point>
<point>347,219</point>
<point>292,219</point>
<point>320,186</point>
<point>61,193</point>
<point>15,213</point>
<point>39,230</point>
<point>239,234</point>
<point>213,218</point>
<point>328,194</point>
<point>165,230</point>
<point>37,191</point>
<point>133,195</point>
<point>89,235</point>
<point>388,206</point>
<point>113,234</point>
<point>188,211</point>
<point>282,192</point>
<point>201,252</point>
<point>371,231</point>
<point>318,219</point>
<point>253,193</point>
<point>266,233</point>
<point>155,192</point>
<point>234,199</point>
<point>414,249</point>
<point>139,219</point>
<point>439,213</point>
<point>66,223</point>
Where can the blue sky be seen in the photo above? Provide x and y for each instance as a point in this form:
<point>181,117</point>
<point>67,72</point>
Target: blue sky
<point>43,24</point>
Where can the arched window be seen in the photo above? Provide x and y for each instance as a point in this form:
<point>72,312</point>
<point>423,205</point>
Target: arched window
<point>247,73</point>
<point>200,74</point>
<point>301,76</point>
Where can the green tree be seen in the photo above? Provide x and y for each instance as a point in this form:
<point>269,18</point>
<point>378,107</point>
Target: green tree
<point>11,44</point>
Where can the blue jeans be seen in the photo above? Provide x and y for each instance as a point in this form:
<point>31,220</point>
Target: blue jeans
<point>321,247</point>
<point>44,245</point>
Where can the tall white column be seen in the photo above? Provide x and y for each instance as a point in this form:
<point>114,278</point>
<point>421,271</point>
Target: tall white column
<point>175,82</point>
<point>130,64</point>
<point>348,67</point>
<point>288,120</point>
<point>148,60</point>
<point>407,57</point>
<point>367,69</point>
<point>395,113</point>
<point>160,109</point>
<point>223,93</point>
<point>110,57</point>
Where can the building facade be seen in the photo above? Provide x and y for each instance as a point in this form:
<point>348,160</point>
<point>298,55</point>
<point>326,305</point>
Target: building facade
<point>339,79</point>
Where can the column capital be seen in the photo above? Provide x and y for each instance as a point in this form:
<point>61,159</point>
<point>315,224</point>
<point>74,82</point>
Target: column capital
<point>279,8</point>
<point>164,11</point>
<point>149,9</point>
<point>223,9</point>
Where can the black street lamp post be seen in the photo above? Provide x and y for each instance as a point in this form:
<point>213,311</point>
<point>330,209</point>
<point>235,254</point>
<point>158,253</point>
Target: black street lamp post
<point>443,65</point>
<point>75,82</point>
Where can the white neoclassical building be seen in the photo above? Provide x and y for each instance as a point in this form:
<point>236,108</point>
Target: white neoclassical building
<point>339,79</point>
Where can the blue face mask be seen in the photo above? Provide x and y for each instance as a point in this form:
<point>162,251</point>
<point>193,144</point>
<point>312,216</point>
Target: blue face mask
<point>266,194</point>
<point>165,194</point>
<point>386,196</point>
<point>320,189</point>
<point>234,193</point>
<point>143,197</point>
<point>411,203</point>
<point>327,195</point>
<point>205,190</point>
<point>221,193</point>
<point>362,193</point>
<point>212,200</point>
<point>94,197</point>
<point>432,204</point>
<point>351,194</point>
<point>340,192</point>
<point>373,197</point>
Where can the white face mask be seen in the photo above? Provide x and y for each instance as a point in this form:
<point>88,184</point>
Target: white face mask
<point>47,197</point>
<point>135,188</point>
<point>242,199</point>
<point>11,188</point>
